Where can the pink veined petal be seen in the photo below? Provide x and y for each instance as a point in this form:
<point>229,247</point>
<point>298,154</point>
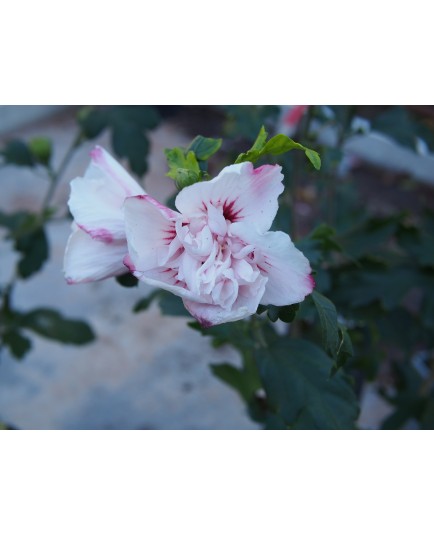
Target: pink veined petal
<point>96,199</point>
<point>246,304</point>
<point>150,232</point>
<point>166,279</point>
<point>287,269</point>
<point>92,260</point>
<point>245,194</point>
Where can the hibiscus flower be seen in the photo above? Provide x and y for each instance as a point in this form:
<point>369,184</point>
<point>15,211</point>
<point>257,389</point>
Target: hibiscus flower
<point>216,251</point>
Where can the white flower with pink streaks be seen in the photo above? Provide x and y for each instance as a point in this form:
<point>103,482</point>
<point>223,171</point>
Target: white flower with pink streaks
<point>216,252</point>
<point>97,245</point>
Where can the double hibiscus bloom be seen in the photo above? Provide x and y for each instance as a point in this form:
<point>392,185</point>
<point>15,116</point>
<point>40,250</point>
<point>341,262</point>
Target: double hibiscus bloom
<point>216,251</point>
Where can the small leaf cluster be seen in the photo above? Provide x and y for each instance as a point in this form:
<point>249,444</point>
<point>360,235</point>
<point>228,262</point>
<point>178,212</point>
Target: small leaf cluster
<point>190,165</point>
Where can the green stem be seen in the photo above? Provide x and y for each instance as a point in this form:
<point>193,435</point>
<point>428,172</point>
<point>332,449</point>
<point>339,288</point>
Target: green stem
<point>56,175</point>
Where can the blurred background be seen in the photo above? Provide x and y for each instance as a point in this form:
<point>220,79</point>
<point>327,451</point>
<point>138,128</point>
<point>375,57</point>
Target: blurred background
<point>149,371</point>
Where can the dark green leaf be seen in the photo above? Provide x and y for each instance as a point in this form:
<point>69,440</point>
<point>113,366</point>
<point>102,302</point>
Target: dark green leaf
<point>329,323</point>
<point>92,121</point>
<point>296,378</point>
<point>34,249</point>
<point>130,125</point>
<point>18,153</point>
<point>261,309</point>
<point>288,312</point>
<point>273,313</point>
<point>29,239</point>
<point>127,280</point>
<point>52,325</point>
<point>17,343</point>
<point>172,305</point>
<point>203,147</point>
<point>345,350</point>
<point>145,117</point>
<point>244,380</point>
<point>244,383</point>
<point>285,314</point>
<point>130,142</point>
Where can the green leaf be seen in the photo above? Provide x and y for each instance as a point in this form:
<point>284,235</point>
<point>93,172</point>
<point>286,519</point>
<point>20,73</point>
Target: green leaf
<point>18,153</point>
<point>288,312</point>
<point>130,126</point>
<point>34,249</point>
<point>300,392</point>
<point>273,313</point>
<point>172,305</point>
<point>203,147</point>
<point>260,141</point>
<point>41,149</point>
<point>314,158</point>
<point>183,167</point>
<point>253,154</point>
<point>127,280</point>
<point>245,380</point>
<point>345,350</point>
<point>280,144</point>
<point>29,238</point>
<point>52,325</point>
<point>130,142</point>
<point>246,384</point>
<point>329,323</point>
<point>17,343</point>
<point>277,145</point>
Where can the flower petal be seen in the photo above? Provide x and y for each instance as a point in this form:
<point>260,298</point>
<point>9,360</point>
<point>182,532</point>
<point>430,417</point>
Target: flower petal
<point>246,194</point>
<point>287,269</point>
<point>150,232</point>
<point>88,260</point>
<point>166,279</point>
<point>245,305</point>
<point>96,199</point>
